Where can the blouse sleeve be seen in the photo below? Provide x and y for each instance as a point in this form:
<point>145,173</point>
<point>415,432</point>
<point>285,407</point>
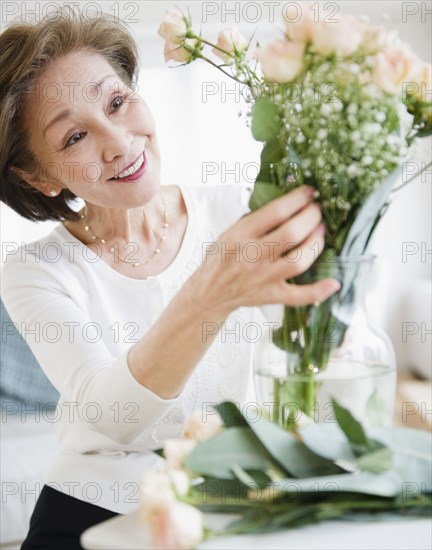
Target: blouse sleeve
<point>83,371</point>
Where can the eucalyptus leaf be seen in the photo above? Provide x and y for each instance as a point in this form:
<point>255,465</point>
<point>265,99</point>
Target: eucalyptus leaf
<point>328,441</point>
<point>293,156</point>
<point>263,193</point>
<point>375,409</point>
<point>231,415</point>
<point>237,445</point>
<point>387,484</point>
<point>376,462</point>
<point>360,442</point>
<point>290,453</point>
<point>265,120</point>
<point>272,152</point>
<point>412,455</point>
<point>242,475</point>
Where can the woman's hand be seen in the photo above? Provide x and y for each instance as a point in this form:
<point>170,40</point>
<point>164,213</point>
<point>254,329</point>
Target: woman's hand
<point>252,260</point>
<point>248,266</point>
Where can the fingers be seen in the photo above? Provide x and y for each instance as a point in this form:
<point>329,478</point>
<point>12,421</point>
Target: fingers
<point>276,212</point>
<point>300,257</point>
<point>296,229</point>
<point>300,295</point>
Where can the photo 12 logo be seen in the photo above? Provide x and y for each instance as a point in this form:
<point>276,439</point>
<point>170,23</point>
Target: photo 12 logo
<point>27,12</point>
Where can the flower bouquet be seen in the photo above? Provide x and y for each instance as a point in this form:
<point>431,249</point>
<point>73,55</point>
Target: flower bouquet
<point>272,479</point>
<point>337,106</point>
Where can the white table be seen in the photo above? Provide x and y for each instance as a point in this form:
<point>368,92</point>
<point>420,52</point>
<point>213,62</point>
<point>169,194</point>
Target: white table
<point>124,533</point>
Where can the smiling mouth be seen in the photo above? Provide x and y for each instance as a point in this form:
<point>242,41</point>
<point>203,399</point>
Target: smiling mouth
<point>131,170</point>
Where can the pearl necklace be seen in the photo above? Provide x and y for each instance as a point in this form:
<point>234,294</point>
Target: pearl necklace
<point>115,250</point>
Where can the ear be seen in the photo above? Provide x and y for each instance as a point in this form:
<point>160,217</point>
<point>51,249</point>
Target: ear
<point>50,189</point>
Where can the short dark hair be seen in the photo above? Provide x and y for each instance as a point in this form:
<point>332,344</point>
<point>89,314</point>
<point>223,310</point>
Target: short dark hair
<point>26,50</point>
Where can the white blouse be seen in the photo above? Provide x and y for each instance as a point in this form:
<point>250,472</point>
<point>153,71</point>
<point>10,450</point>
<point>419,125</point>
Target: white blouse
<point>80,317</point>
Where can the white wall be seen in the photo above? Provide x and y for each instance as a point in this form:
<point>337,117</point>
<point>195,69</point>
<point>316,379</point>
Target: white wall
<point>199,134</point>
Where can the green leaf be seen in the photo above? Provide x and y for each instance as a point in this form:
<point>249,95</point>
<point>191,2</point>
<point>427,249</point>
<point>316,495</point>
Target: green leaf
<point>328,441</point>
<point>231,415</point>
<point>354,431</point>
<point>263,193</point>
<point>242,475</point>
<point>387,484</point>
<point>293,156</point>
<point>214,492</point>
<point>265,120</point>
<point>272,152</point>
<point>216,456</point>
<point>376,407</point>
<point>412,454</point>
<point>294,457</point>
<point>376,462</point>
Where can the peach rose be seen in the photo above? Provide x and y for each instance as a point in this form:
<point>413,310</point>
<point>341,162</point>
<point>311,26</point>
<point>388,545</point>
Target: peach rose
<point>176,52</point>
<point>342,38</point>
<point>200,429</point>
<point>419,81</point>
<point>232,41</point>
<point>281,61</point>
<point>393,67</point>
<point>299,27</point>
<point>156,489</point>
<point>177,526</point>
<point>174,26</point>
<point>177,450</point>
<point>375,38</point>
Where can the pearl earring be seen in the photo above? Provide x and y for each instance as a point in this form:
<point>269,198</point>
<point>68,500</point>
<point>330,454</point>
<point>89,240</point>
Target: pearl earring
<point>53,193</point>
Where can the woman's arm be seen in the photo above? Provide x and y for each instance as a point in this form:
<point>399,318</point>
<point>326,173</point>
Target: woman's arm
<point>153,372</point>
<point>226,281</point>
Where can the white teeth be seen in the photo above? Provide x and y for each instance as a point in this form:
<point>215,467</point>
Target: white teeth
<point>132,169</point>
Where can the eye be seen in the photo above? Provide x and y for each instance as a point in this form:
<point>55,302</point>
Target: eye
<point>117,102</point>
<point>75,138</point>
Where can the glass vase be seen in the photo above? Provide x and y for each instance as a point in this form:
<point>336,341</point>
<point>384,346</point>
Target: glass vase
<point>328,351</point>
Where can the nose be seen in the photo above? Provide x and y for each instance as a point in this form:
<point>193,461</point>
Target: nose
<point>117,141</point>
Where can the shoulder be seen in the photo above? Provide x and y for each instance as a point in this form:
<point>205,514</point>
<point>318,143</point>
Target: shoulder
<point>29,261</point>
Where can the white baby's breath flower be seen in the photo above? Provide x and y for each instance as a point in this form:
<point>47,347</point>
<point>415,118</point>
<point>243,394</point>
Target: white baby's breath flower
<point>300,138</point>
<point>367,160</point>
<point>380,116</point>
<point>352,170</point>
<point>354,68</point>
<point>392,140</point>
<point>371,128</point>
<point>326,108</point>
<point>322,133</point>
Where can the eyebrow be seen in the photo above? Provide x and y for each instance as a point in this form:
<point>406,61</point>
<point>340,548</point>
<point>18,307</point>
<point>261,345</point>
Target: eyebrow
<point>66,113</point>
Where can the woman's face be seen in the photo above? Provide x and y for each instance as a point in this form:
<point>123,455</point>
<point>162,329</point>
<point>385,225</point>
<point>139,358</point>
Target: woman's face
<point>87,127</point>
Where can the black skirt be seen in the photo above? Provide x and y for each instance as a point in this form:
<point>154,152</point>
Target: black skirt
<point>58,521</point>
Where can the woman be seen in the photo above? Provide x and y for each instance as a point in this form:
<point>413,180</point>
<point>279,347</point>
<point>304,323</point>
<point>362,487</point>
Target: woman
<point>119,304</point>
